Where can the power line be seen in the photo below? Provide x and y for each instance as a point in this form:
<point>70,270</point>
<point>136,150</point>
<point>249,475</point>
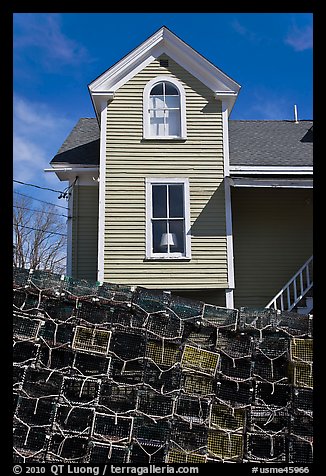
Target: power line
<point>38,186</point>
<point>39,229</point>
<point>49,203</point>
<point>41,211</point>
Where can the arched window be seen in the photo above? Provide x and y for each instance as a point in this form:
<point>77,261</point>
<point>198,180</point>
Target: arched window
<point>164,109</point>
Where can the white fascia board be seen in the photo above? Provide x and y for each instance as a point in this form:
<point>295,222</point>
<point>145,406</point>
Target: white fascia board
<point>161,42</point>
<point>87,175</point>
<point>269,170</point>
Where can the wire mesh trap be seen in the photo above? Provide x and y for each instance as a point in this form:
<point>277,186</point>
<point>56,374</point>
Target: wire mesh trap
<point>91,340</point>
<point>235,369</point>
<point>118,398</point>
<point>177,456</point>
<point>162,353</point>
<point>130,375</point>
<point>147,431</point>
<point>266,448</point>
<point>301,350</point>
<point>194,410</point>
<point>78,390</point>
<point>42,383</point>
<point>112,428</point>
<point>194,384</point>
<point>146,454</point>
<point>100,453</point>
<point>73,419</point>
<point>277,395</point>
<point>300,451</point>
<point>225,445</point>
<point>225,418</point>
<point>220,317</point>
<point>303,375</point>
<point>188,436</point>
<point>67,448</point>
<point>199,360</point>
<point>263,419</point>
<point>154,404</point>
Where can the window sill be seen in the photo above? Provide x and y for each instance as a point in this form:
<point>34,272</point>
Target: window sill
<point>182,258</point>
<point>166,139</point>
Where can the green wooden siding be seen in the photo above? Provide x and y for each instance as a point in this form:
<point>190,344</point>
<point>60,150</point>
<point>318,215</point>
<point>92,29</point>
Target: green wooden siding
<point>130,159</point>
<point>272,240</point>
<point>85,232</point>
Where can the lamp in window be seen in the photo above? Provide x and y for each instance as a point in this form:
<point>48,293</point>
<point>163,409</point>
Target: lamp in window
<point>168,239</point>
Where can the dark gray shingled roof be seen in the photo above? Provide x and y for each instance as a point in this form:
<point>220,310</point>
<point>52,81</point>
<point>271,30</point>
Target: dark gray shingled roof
<point>252,143</point>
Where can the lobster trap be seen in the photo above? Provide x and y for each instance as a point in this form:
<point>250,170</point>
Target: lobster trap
<point>271,394</point>
<point>266,448</point>
<point>146,454</point>
<point>128,372</point>
<point>177,456</point>
<point>303,375</point>
<point>301,350</point>
<point>42,383</point>
<point>302,426</point>
<point>186,309</point>
<point>101,453</point>
<point>300,451</point>
<point>30,439</point>
<point>303,399</point>
<point>194,410</point>
<point>73,419</point>
<point>36,412</point>
<point>88,364</point>
<point>154,404</point>
<point>200,360</point>
<point>55,358</point>
<point>112,428</point>
<point>228,419</point>
<point>91,340</point>
<point>233,345</point>
<point>163,381</point>
<point>162,353</point>
<point>80,390</point>
<point>25,352</point>
<point>67,448</point>
<point>194,384</point>
<point>25,328</point>
<point>189,437</point>
<point>147,431</point>
<point>165,325</point>
<point>118,398</point>
<point>271,369</point>
<point>235,369</point>
<point>220,317</point>
<point>54,333</point>
<point>200,336</point>
<point>262,419</point>
<point>294,324</point>
<point>128,345</point>
<point>236,394</point>
<point>224,445</point>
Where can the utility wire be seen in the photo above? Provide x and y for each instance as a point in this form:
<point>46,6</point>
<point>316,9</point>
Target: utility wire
<point>39,229</point>
<point>49,203</point>
<point>41,211</point>
<point>38,186</point>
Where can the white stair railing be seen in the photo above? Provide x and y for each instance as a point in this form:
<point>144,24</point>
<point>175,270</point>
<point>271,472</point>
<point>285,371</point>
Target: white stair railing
<point>295,289</point>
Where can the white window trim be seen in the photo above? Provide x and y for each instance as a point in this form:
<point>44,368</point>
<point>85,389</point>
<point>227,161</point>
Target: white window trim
<point>146,122</point>
<point>163,256</point>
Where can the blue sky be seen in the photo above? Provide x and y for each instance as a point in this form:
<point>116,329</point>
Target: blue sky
<point>56,55</point>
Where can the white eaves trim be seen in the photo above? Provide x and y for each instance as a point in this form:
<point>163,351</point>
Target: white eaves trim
<point>269,170</point>
<point>164,41</point>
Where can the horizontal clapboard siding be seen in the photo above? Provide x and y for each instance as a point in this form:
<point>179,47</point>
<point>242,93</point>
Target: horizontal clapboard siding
<point>130,159</point>
<point>272,240</point>
<point>85,232</point>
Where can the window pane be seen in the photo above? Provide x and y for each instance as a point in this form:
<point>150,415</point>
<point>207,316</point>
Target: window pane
<point>176,201</point>
<point>171,90</point>
<point>157,89</point>
<point>176,228</point>
<point>159,234</point>
<point>173,123</point>
<point>172,102</point>
<point>156,102</point>
<point>157,123</point>
<point>159,200</point>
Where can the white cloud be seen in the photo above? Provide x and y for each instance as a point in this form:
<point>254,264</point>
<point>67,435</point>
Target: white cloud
<point>38,134</point>
<point>44,32</point>
<point>300,39</point>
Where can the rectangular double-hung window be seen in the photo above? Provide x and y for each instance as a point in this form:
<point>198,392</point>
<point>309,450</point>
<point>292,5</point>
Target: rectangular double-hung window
<point>168,221</point>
